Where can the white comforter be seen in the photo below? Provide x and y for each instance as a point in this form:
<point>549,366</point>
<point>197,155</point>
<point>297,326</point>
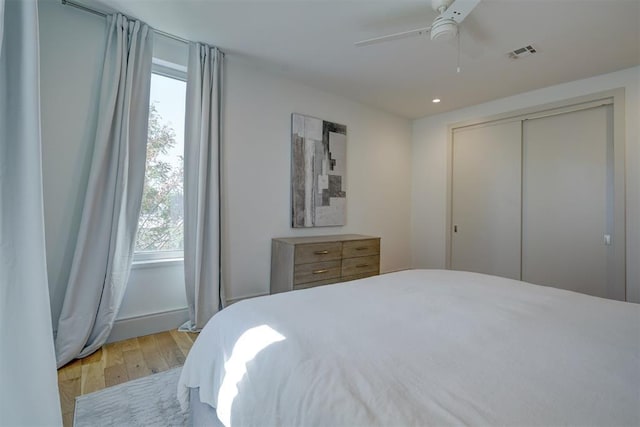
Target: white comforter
<point>421,347</point>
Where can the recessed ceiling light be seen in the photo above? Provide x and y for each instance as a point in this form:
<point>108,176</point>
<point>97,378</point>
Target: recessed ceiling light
<point>436,100</point>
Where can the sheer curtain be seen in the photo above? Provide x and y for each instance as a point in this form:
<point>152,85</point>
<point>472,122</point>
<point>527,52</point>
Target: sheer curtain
<point>202,185</point>
<point>28,380</point>
<point>104,249</point>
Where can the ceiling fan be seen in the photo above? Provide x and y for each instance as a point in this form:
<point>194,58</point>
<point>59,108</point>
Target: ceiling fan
<point>444,27</point>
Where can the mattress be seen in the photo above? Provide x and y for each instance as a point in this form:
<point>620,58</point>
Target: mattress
<point>420,347</point>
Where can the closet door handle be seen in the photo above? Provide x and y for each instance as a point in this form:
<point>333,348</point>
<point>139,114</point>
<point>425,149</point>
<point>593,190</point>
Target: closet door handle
<point>455,228</point>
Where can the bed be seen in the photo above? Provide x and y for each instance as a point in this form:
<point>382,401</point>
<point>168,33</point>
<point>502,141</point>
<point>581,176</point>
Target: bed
<point>418,347</point>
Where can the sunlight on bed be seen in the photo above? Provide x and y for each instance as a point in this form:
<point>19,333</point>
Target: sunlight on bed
<point>252,342</point>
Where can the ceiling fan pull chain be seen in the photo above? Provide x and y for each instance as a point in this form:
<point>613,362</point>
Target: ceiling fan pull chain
<point>458,69</point>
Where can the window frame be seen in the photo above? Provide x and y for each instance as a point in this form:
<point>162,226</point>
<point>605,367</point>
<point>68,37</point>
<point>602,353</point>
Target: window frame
<point>177,72</point>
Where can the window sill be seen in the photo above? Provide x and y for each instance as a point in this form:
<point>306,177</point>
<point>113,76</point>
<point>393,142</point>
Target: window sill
<point>155,263</point>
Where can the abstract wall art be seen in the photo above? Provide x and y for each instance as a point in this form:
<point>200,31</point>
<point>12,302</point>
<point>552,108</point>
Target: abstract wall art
<point>318,169</point>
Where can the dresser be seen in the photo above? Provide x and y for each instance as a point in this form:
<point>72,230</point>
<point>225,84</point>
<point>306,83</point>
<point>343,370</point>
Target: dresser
<point>305,262</point>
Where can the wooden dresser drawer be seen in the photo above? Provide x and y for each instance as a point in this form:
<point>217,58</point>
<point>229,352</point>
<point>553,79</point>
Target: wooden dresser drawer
<point>305,262</point>
<point>360,276</point>
<point>317,252</point>
<point>316,271</point>
<point>359,248</point>
<point>360,265</point>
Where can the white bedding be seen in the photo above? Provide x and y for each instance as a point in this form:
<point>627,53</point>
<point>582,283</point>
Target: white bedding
<point>420,347</point>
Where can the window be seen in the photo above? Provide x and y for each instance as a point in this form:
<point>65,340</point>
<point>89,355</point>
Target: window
<point>160,226</point>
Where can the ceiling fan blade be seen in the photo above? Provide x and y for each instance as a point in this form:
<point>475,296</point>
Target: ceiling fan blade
<point>459,9</point>
<point>396,36</point>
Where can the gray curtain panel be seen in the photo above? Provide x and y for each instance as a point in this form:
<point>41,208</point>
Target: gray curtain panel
<point>202,185</point>
<point>28,380</point>
<point>104,249</point>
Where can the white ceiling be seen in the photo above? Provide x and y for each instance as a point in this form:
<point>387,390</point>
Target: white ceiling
<point>312,41</point>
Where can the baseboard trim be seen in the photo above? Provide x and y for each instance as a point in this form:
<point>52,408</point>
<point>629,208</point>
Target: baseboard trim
<point>138,326</point>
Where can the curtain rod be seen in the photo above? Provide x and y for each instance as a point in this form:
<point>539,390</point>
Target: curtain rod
<point>104,15</point>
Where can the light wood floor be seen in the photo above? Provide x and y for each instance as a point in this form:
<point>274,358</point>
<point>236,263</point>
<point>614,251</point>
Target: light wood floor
<point>118,362</point>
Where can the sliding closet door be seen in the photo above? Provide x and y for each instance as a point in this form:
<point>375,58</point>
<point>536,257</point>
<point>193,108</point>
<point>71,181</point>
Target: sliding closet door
<point>567,203</point>
<point>485,209</point>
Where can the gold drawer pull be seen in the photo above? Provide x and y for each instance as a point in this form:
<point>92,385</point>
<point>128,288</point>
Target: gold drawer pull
<point>321,252</point>
<point>362,248</point>
<point>319,271</point>
<point>362,265</point>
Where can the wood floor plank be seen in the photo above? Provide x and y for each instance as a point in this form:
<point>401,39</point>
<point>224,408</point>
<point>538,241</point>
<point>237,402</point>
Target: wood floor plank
<point>183,341</point>
<point>92,377</point>
<point>130,344</point>
<point>152,355</point>
<point>112,355</point>
<point>68,390</point>
<point>95,357</point>
<point>70,371</point>
<point>115,374</point>
<point>192,336</point>
<point>67,419</point>
<point>169,349</point>
<point>135,364</point>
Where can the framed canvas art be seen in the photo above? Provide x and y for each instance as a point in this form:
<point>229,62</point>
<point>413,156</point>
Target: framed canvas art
<point>318,170</point>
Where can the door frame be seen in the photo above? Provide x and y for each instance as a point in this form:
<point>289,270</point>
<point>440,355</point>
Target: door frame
<point>614,97</point>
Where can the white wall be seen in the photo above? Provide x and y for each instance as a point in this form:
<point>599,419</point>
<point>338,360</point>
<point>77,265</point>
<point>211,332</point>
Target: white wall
<point>429,168</point>
<point>256,155</point>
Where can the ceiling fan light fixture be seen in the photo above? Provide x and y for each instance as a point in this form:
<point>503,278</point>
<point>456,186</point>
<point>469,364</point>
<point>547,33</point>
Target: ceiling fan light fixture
<point>444,29</point>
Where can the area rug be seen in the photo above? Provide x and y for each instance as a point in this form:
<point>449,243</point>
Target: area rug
<point>148,401</point>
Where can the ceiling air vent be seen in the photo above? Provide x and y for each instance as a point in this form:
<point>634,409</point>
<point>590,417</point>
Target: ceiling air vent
<point>522,52</point>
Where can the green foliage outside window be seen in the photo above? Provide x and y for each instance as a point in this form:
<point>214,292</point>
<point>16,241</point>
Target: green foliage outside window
<point>160,227</point>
